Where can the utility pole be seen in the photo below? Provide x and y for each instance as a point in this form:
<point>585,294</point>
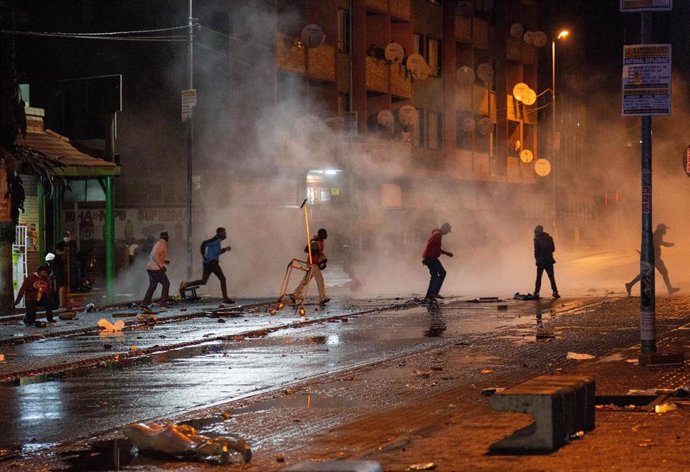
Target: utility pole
<point>190,139</point>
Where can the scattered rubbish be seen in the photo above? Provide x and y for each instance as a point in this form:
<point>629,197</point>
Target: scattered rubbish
<point>147,319</point>
<point>580,357</point>
<point>578,435</point>
<point>226,415</point>
<point>221,320</point>
<point>67,315</point>
<point>89,307</point>
<point>420,373</point>
<point>484,300</point>
<point>501,307</point>
<point>487,392</point>
<point>524,296</point>
<point>2,357</point>
<point>665,408</point>
<point>427,466</point>
<point>128,314</point>
<point>632,361</point>
<point>132,348</point>
<point>107,326</point>
<point>487,371</point>
<point>184,441</point>
<point>682,392</point>
<point>107,346</point>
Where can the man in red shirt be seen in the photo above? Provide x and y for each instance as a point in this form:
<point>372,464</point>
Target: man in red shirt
<point>37,291</point>
<point>430,257</point>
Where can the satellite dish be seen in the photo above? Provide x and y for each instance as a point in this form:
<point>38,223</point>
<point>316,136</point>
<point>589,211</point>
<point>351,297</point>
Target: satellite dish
<point>465,76</point>
<point>520,91</point>
<point>386,119</point>
<point>485,72</point>
<point>539,39</point>
<point>542,167</point>
<point>312,36</point>
<point>464,9</point>
<point>526,156</point>
<point>484,5</point>
<point>485,126</point>
<point>516,30</point>
<point>468,125</point>
<point>394,53</point>
<point>530,97</point>
<point>407,114</point>
<point>528,37</point>
<point>418,67</point>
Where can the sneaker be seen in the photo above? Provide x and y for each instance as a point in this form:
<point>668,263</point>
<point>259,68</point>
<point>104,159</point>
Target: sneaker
<point>40,324</point>
<point>293,299</point>
<point>535,295</point>
<point>229,301</point>
<point>51,320</point>
<point>555,295</point>
<point>324,301</point>
<point>673,290</point>
<point>165,305</point>
<point>628,288</point>
<point>439,296</point>
<point>183,286</point>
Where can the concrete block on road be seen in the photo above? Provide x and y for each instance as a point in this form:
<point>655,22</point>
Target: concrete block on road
<point>335,466</point>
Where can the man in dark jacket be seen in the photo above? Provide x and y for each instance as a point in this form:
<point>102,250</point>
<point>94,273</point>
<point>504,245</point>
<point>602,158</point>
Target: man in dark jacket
<point>210,251</point>
<point>430,258</point>
<point>658,263</point>
<point>36,290</point>
<point>543,255</point>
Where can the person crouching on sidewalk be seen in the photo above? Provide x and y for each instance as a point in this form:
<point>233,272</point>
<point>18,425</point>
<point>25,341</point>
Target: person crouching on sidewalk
<point>36,291</point>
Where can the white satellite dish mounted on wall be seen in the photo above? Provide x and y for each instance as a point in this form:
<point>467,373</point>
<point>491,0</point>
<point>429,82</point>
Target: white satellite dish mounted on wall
<point>464,9</point>
<point>542,167</point>
<point>485,72</point>
<point>526,156</point>
<point>465,76</point>
<point>394,53</point>
<point>418,67</point>
<point>386,120</point>
<point>408,116</point>
<point>520,90</point>
<point>540,39</point>
<point>485,126</point>
<point>528,37</point>
<point>516,30</point>
<point>530,97</point>
<point>312,36</point>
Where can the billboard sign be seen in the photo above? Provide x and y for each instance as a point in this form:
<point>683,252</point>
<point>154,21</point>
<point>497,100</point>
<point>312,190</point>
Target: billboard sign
<point>646,80</point>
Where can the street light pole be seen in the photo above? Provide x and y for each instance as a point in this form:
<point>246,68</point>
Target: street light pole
<point>190,140</point>
<point>561,35</point>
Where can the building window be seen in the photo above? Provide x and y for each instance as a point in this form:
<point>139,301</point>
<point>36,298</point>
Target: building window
<point>418,137</point>
<point>343,31</point>
<point>433,56</point>
<point>417,44</point>
<point>343,103</point>
<point>434,130</point>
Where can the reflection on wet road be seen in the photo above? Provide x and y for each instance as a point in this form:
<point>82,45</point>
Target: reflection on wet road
<point>81,403</point>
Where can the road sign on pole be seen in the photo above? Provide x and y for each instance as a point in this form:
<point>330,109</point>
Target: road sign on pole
<point>646,80</point>
<point>646,5</point>
<point>188,103</point>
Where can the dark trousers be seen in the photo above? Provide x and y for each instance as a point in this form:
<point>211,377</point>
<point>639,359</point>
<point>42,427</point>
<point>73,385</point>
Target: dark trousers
<point>438,275</point>
<point>212,267</point>
<point>32,308</point>
<point>549,272</point>
<point>157,277</point>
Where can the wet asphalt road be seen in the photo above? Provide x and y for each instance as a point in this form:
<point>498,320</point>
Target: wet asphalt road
<point>81,403</point>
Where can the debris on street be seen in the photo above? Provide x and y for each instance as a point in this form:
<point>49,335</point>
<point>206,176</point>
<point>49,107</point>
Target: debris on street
<point>107,326</point>
<point>427,466</point>
<point>580,357</point>
<point>184,441</point>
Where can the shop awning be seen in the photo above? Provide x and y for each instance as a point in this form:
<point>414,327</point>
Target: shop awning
<point>74,163</point>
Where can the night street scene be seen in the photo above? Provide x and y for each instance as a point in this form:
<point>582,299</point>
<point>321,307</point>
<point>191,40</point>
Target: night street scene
<point>344,235</point>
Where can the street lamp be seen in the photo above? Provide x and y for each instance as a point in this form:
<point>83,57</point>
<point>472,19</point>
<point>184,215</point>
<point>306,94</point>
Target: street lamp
<point>561,35</point>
